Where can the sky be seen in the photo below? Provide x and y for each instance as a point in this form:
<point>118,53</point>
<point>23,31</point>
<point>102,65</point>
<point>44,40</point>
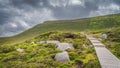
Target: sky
<point>19,15</point>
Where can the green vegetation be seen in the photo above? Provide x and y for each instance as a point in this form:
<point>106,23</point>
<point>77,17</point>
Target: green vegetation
<point>95,23</point>
<point>37,55</point>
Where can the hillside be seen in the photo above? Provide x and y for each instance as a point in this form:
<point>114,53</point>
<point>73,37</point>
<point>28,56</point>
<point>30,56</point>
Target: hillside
<point>85,24</point>
<point>34,53</point>
<point>31,49</point>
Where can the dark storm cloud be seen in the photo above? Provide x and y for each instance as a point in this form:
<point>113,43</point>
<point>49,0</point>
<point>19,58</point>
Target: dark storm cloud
<point>117,2</point>
<point>19,15</point>
<point>32,3</point>
<point>25,2</point>
<point>75,11</point>
<point>4,17</point>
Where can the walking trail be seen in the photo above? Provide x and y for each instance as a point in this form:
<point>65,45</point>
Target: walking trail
<point>106,58</point>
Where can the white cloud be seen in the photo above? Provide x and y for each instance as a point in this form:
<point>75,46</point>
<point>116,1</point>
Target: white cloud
<point>24,24</point>
<point>110,7</point>
<point>13,25</point>
<point>58,3</point>
<point>76,2</point>
<point>106,9</point>
<point>64,3</point>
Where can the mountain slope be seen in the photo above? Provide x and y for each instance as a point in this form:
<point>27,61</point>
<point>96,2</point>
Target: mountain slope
<point>95,23</point>
<point>34,53</point>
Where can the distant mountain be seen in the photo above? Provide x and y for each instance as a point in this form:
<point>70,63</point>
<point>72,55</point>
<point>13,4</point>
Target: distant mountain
<point>85,24</point>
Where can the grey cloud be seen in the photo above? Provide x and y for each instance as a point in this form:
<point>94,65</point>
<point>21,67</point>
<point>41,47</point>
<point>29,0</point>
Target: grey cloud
<point>69,12</point>
<point>25,2</point>
<point>19,15</point>
<point>75,11</point>
<point>23,13</point>
<point>117,1</point>
<point>31,3</point>
<point>4,17</point>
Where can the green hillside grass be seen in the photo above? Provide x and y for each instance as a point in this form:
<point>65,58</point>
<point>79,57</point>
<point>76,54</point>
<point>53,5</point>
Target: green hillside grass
<point>37,55</point>
<point>95,23</point>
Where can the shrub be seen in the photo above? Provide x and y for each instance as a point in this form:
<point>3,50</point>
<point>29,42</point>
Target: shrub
<point>6,48</point>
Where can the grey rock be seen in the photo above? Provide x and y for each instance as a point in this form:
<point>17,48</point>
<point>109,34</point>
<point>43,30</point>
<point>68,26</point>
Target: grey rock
<point>32,42</point>
<point>62,57</point>
<point>41,42</point>
<point>90,46</point>
<point>64,46</point>
<point>100,39</point>
<point>52,41</point>
<point>20,50</point>
<point>104,36</point>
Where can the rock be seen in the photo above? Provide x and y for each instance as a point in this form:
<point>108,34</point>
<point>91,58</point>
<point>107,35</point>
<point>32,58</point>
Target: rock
<point>91,46</point>
<point>87,30</point>
<point>20,50</point>
<point>41,42</point>
<point>62,57</point>
<point>99,39</point>
<point>49,41</point>
<point>52,41</point>
<point>32,42</point>
<point>104,36</point>
<point>64,46</point>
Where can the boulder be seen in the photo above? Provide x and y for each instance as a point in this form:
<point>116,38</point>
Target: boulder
<point>90,46</point>
<point>49,41</point>
<point>104,36</point>
<point>52,41</point>
<point>41,42</point>
<point>100,39</point>
<point>20,50</point>
<point>62,57</point>
<point>64,46</point>
<point>32,42</point>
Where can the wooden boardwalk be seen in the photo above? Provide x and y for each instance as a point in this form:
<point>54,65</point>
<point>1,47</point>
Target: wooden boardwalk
<point>106,58</point>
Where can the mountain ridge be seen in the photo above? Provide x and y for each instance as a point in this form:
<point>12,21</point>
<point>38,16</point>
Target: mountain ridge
<point>84,24</point>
